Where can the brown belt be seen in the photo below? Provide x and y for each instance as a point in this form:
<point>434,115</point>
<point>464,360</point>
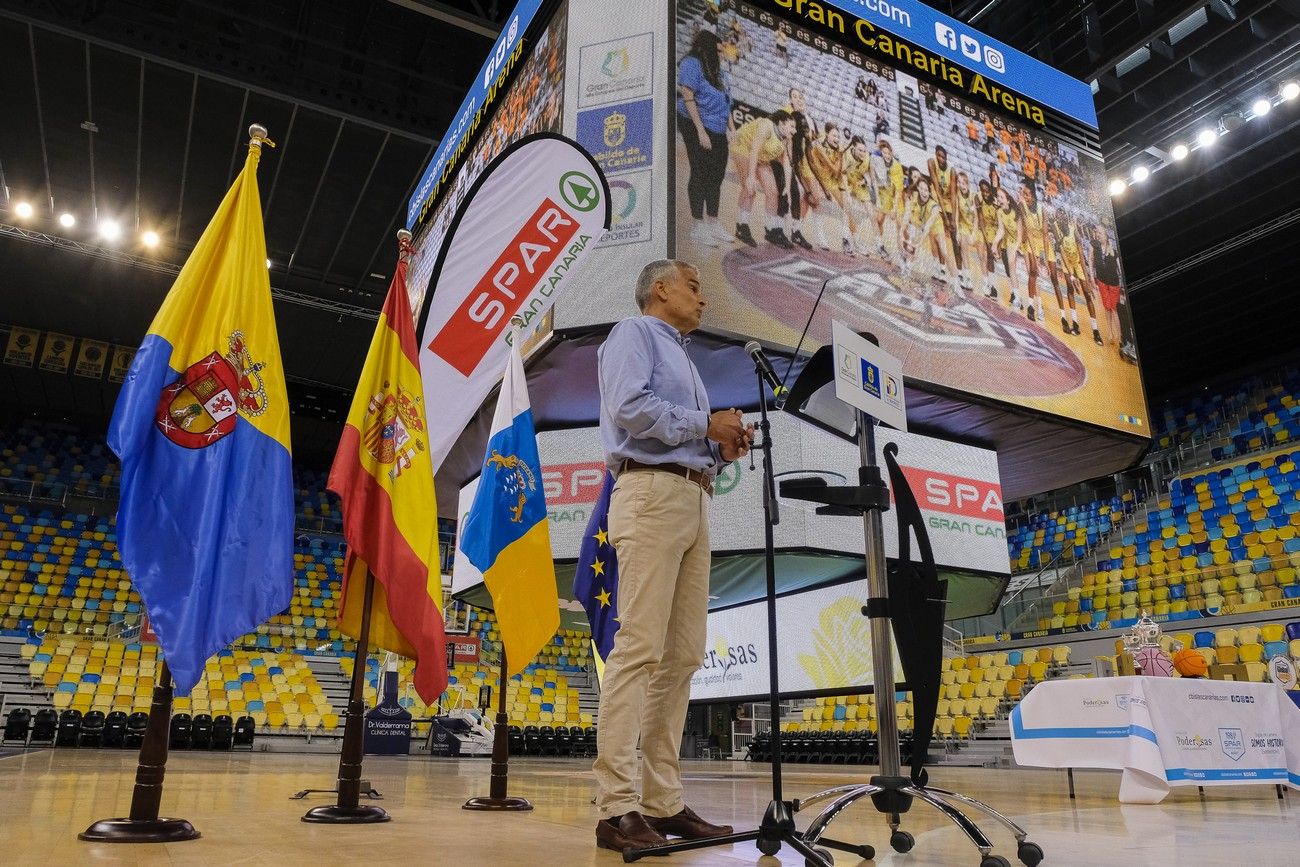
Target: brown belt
<point>700,478</point>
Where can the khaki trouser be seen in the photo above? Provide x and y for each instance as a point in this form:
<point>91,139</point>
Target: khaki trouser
<point>659,526</point>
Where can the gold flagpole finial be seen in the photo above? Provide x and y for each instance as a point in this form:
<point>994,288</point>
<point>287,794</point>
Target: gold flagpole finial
<point>257,136</point>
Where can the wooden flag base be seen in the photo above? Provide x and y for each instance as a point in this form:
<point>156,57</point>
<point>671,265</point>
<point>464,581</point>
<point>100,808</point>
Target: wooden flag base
<point>139,831</point>
<point>348,811</point>
<point>144,825</point>
<point>497,798</point>
<point>334,814</point>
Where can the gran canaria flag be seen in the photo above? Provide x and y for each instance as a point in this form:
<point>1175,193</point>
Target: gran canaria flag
<point>205,522</point>
<point>506,537</point>
<point>384,477</point>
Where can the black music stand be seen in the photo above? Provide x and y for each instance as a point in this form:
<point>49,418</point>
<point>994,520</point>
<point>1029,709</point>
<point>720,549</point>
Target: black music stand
<point>921,611</point>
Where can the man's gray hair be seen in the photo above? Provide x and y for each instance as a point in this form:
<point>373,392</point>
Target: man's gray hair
<point>659,269</point>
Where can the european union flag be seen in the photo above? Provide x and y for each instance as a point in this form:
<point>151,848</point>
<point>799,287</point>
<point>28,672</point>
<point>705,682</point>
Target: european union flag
<point>595,583</point>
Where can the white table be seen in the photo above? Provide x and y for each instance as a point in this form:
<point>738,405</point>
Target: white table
<point>1161,732</point>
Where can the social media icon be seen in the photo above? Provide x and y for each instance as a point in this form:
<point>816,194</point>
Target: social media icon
<point>994,60</point>
<point>946,35</point>
<point>970,47</point>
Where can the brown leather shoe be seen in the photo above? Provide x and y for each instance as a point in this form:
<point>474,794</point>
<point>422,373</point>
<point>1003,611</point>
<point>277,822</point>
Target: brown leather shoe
<point>688,825</point>
<point>631,832</point>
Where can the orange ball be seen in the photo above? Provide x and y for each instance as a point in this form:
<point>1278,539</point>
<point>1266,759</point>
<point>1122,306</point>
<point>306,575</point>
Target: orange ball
<point>1189,663</point>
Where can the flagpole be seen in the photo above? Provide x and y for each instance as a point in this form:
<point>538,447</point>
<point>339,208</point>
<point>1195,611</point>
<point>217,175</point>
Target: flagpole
<point>144,824</point>
<point>497,798</point>
<point>348,810</point>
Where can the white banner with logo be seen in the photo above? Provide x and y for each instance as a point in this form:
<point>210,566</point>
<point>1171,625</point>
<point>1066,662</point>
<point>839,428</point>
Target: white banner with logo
<point>1162,732</point>
<point>516,243</point>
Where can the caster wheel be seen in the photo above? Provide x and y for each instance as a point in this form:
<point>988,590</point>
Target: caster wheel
<point>922,779</point>
<point>769,847</point>
<point>867,853</point>
<point>826,860</point>
<point>1030,854</point>
<point>994,861</point>
<point>901,841</point>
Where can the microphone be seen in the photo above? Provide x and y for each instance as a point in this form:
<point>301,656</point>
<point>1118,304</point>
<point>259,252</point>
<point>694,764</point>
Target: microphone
<point>765,369</point>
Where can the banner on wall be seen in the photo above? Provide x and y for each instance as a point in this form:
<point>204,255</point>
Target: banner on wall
<point>21,349</point>
<point>91,359</point>
<point>522,234</point>
<point>957,487</point>
<point>824,641</point>
<point>57,353</point>
<point>121,364</point>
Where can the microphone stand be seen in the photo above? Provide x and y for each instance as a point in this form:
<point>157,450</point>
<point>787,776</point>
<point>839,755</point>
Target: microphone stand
<point>777,826</point>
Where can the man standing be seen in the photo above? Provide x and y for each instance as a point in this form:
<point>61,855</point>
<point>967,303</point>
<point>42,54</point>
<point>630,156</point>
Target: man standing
<point>664,447</point>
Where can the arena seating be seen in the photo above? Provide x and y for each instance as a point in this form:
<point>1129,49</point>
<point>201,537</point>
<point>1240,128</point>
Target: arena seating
<point>1225,537</point>
<point>1242,416</point>
<point>278,691</point>
<point>60,572</point>
<point>975,691</point>
<point>61,463</point>
<point>1068,533</point>
<point>539,696</point>
<point>1201,414</point>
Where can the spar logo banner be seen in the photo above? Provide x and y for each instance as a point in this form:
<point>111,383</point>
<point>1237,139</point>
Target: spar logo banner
<point>523,232</point>
<point>957,487</point>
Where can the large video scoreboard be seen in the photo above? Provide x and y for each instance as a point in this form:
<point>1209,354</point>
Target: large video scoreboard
<point>947,189</point>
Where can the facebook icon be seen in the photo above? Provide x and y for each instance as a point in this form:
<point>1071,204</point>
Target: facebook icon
<point>946,35</point>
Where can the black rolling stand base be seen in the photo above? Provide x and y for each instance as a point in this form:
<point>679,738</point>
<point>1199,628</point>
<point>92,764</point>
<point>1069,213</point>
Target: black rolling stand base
<point>776,829</point>
<point>893,796</point>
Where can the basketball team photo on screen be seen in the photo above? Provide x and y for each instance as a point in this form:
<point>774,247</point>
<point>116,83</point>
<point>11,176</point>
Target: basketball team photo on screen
<point>980,248</point>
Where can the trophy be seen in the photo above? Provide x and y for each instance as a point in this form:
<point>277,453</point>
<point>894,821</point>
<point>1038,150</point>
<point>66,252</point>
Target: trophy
<point>1142,643</point>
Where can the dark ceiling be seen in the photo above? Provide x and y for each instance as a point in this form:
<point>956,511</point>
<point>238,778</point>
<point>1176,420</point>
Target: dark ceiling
<point>137,110</point>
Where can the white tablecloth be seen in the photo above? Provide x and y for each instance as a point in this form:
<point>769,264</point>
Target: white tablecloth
<point>1162,732</point>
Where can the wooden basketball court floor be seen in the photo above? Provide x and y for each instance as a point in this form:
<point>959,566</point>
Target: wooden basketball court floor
<point>240,802</point>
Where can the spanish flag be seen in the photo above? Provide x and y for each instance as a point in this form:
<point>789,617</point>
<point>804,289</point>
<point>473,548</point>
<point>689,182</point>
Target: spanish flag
<point>384,476</point>
<point>205,522</point>
<point>506,537</point>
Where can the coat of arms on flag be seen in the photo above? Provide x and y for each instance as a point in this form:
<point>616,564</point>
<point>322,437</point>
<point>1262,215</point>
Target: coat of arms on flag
<point>394,424</point>
<point>204,403</point>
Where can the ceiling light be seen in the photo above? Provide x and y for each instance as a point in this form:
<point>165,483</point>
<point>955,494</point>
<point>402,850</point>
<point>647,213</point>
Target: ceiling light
<point>268,264</point>
<point>1207,137</point>
<point>1179,152</point>
<point>1140,174</point>
<point>1117,186</point>
<point>23,210</point>
<point>150,239</point>
<point>67,221</point>
<point>110,230</point>
<point>1290,90</point>
<point>1261,107</point>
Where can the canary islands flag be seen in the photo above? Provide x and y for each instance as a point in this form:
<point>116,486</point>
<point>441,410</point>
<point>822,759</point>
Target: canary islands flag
<point>595,581</point>
<point>205,521</point>
<point>384,477</point>
<point>506,537</point>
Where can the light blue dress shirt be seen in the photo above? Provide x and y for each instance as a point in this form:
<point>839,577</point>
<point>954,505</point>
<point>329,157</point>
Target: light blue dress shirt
<point>653,406</point>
